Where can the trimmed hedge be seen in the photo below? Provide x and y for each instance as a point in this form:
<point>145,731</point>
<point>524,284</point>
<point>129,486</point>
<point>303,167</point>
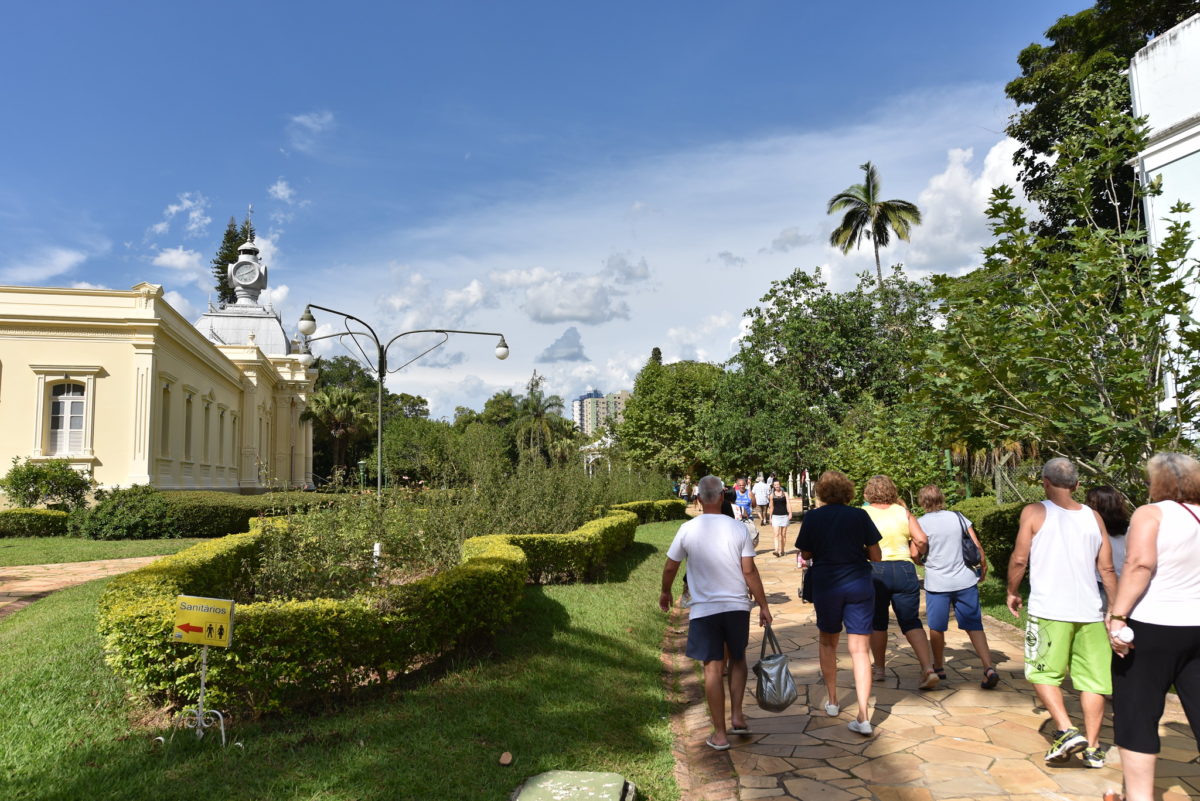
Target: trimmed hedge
<point>299,652</point>
<point>996,527</point>
<point>579,554</point>
<point>33,523</point>
<point>655,511</point>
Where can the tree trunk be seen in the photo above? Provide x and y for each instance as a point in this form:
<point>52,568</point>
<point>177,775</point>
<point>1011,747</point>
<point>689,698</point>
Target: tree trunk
<point>878,269</point>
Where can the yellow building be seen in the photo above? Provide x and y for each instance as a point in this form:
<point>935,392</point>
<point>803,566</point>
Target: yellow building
<point>118,382</point>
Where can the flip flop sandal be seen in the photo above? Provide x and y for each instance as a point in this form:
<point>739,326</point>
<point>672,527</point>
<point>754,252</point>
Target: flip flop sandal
<point>716,747</point>
<point>744,729</point>
<point>990,679</point>
<point>941,671</point>
<point>930,680</point>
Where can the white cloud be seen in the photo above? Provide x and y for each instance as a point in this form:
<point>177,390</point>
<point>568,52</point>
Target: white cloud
<point>87,285</point>
<point>788,240</point>
<point>179,258</point>
<point>282,190</point>
<point>305,131</point>
<point>180,304</point>
<point>511,279</point>
<point>460,302</point>
<point>567,348</point>
<point>194,206</point>
<point>730,260</point>
<point>625,270</point>
<point>695,342</point>
<point>953,203</point>
<point>574,298</point>
<point>42,265</point>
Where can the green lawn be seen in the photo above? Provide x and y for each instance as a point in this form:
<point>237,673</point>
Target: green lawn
<point>49,550</point>
<point>575,684</point>
<point>993,593</point>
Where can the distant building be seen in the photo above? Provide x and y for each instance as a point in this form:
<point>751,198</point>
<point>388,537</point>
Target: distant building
<point>119,383</point>
<point>593,409</point>
<point>1165,87</point>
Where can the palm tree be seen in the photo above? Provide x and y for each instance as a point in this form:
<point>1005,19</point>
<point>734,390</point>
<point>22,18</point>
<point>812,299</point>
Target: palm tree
<point>535,413</point>
<point>867,215</point>
<point>343,411</point>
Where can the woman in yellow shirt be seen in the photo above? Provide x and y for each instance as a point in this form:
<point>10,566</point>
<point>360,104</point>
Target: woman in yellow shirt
<point>895,577</point>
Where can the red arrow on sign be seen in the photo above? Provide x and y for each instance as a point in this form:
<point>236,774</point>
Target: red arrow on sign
<point>189,627</point>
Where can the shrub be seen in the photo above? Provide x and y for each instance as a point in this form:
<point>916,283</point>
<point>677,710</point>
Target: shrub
<point>655,511</point>
<point>33,523</point>
<point>305,650</point>
<point>301,650</point>
<point>52,481</point>
<point>134,513</point>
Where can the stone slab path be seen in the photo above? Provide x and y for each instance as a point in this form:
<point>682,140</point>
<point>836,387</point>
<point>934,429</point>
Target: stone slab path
<point>22,585</point>
<point>957,742</point>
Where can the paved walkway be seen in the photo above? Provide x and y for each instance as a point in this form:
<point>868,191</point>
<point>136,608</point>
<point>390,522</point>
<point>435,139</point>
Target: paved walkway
<point>22,585</point>
<point>954,743</point>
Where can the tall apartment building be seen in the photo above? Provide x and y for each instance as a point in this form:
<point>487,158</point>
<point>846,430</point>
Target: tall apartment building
<point>593,409</point>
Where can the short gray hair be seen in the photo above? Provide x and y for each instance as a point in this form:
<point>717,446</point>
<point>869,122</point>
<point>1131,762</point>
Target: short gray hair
<point>1061,473</point>
<point>710,489</point>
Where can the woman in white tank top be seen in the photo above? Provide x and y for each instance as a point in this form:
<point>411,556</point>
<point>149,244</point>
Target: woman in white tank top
<point>1158,600</point>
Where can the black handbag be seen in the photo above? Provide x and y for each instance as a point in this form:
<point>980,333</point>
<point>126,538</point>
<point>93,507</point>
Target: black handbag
<point>971,556</point>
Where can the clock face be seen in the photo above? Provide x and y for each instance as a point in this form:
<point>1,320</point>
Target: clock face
<point>245,273</point>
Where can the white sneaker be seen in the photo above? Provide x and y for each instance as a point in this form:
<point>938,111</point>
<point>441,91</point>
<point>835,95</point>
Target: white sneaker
<point>860,727</point>
<point>832,710</point>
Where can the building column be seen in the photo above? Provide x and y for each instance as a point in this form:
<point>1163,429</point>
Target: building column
<point>141,467</point>
<point>249,433</point>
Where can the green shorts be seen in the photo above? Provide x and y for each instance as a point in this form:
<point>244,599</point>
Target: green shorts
<point>1054,648</point>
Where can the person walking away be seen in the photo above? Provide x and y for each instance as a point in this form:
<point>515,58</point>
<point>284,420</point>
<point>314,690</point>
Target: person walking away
<point>720,567</point>
<point>760,491</point>
<point>1158,600</point>
<point>896,582</point>
<point>781,516</point>
<point>685,489</point>
<point>1063,544</point>
<point>949,582</point>
<point>1114,511</point>
<point>842,542</point>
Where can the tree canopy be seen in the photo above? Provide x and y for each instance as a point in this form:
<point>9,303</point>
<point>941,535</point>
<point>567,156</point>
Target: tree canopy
<point>868,215</point>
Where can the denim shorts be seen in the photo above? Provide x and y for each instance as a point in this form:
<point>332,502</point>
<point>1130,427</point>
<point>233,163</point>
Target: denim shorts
<point>966,609</point>
<point>851,603</point>
<point>896,585</point>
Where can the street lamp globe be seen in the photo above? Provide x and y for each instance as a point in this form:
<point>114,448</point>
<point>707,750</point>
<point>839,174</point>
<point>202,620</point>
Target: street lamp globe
<point>308,323</point>
<point>502,349</point>
<point>306,358</point>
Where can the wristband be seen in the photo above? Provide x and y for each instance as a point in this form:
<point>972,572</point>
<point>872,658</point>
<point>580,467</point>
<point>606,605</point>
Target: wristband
<point>1122,618</point>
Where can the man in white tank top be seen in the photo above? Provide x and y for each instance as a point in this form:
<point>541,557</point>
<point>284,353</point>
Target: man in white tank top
<point>1064,544</point>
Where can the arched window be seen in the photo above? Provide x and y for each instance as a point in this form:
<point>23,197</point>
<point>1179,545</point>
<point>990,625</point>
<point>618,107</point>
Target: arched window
<point>68,402</point>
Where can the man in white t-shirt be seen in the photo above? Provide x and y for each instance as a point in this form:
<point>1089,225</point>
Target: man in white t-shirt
<point>720,567</point>
<point>760,491</point>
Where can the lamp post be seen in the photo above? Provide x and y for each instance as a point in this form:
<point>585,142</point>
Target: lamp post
<point>308,326</point>
<point>362,466</point>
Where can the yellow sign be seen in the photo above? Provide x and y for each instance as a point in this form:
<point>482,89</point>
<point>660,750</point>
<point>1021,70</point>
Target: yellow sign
<point>203,621</point>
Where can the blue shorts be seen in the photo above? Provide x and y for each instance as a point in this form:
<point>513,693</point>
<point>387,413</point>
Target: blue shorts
<point>896,585</point>
<point>851,603</point>
<point>966,609</point>
<point>709,636</point>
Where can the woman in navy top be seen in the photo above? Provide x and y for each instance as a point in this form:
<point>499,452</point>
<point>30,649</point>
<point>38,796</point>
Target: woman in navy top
<point>841,541</point>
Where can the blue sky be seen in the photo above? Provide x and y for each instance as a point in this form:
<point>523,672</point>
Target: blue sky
<point>592,179</point>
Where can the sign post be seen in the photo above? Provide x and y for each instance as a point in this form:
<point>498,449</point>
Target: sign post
<point>203,621</point>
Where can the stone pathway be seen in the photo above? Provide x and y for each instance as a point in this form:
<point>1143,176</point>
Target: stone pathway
<point>22,585</point>
<point>958,742</point>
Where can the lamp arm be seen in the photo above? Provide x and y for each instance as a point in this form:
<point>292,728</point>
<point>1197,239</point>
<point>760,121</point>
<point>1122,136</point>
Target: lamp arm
<point>445,338</point>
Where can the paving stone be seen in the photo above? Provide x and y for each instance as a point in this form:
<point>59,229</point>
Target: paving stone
<point>789,738</point>
<point>1020,775</point>
<point>1169,767</point>
<point>974,733</point>
<point>946,780</point>
<point>812,790</point>
<point>984,749</point>
<point>886,792</point>
<point>773,792</point>
<point>759,781</point>
<point>890,768</point>
<point>823,774</point>
<point>818,751</point>
<point>931,752</point>
<point>884,743</point>
<point>1018,738</point>
<point>847,762</point>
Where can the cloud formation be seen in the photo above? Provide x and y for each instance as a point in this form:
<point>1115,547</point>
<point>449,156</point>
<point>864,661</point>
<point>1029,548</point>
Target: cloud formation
<point>197,220</point>
<point>730,260</point>
<point>788,240</point>
<point>42,265</point>
<point>625,270</point>
<point>567,348</point>
<point>282,190</point>
<point>306,131</point>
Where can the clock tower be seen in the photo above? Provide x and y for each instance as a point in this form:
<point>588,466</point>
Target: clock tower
<point>248,275</point>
